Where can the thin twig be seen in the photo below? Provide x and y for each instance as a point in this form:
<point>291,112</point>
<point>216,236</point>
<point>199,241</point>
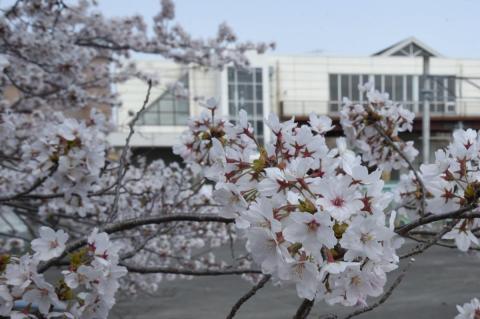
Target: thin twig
<point>440,244</point>
<point>35,185</point>
<point>459,213</point>
<point>405,158</point>
<point>248,295</point>
<point>420,248</point>
<point>386,295</point>
<point>123,157</point>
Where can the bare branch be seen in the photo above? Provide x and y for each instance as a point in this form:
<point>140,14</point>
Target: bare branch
<point>248,295</point>
<point>189,272</point>
<point>136,222</point>
<point>421,248</point>
<point>460,213</point>
<point>405,158</point>
<point>386,295</point>
<point>438,243</point>
<point>35,185</point>
<point>304,310</point>
<point>123,157</point>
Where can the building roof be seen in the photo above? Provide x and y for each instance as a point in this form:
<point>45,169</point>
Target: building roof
<point>408,47</point>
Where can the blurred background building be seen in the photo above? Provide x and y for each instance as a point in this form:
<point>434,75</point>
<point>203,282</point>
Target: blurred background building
<point>296,85</point>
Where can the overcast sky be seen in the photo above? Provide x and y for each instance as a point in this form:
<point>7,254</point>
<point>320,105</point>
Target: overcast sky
<point>330,27</point>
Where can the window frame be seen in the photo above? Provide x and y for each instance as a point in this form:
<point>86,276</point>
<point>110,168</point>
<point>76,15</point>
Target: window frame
<point>409,89</point>
<point>179,117</point>
<point>236,103</point>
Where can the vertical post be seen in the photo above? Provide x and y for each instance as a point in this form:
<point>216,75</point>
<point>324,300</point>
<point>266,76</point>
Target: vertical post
<point>426,109</point>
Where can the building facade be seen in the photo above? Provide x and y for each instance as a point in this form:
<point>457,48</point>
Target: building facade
<point>296,85</point>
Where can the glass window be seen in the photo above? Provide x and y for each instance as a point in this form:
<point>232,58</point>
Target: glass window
<point>451,88</point>
<point>388,85</point>
<point>245,76</point>
<point>344,88</point>
<point>378,83</point>
<point>231,92</point>
<point>365,79</point>
<point>333,87</point>
<point>245,91</point>
<point>443,93</point>
<point>409,88</point>
<point>398,91</point>
<point>441,108</point>
<point>232,109</point>
<point>166,105</point>
<point>182,105</point>
<point>355,92</point>
<point>182,117</point>
<point>166,119</point>
<point>334,107</point>
<point>258,92</point>
<point>439,88</point>
<point>259,108</point>
<point>399,87</point>
<point>231,75</point>
<point>248,107</point>
<point>259,127</point>
<point>258,75</point>
<point>150,118</point>
<point>168,109</point>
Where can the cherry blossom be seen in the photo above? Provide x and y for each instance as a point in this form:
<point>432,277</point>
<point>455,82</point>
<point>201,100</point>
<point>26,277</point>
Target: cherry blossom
<point>469,310</point>
<point>310,215</point>
<point>99,275</point>
<point>463,235</point>
<point>6,301</point>
<point>302,206</point>
<point>42,295</point>
<point>362,123</point>
<point>50,244</point>
<point>313,231</point>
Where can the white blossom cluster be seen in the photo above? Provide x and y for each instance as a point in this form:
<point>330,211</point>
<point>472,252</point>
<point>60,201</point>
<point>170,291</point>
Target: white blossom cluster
<point>57,54</point>
<point>469,310</point>
<point>361,125</point>
<point>86,290</point>
<point>452,182</point>
<point>70,152</point>
<point>312,215</point>
<point>59,154</point>
<point>60,171</point>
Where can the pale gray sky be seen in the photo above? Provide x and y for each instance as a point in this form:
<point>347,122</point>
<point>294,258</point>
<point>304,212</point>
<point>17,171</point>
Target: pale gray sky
<point>332,27</point>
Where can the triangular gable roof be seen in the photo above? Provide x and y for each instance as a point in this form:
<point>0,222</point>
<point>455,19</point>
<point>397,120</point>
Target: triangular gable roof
<point>408,47</point>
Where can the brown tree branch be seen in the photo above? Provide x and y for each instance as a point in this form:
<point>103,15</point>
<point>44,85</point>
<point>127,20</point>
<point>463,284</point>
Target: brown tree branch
<point>438,243</point>
<point>123,157</point>
<point>405,158</point>
<point>248,295</point>
<point>304,309</point>
<point>421,248</point>
<point>458,214</point>
<point>386,295</point>
<point>189,272</point>
<point>136,222</point>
